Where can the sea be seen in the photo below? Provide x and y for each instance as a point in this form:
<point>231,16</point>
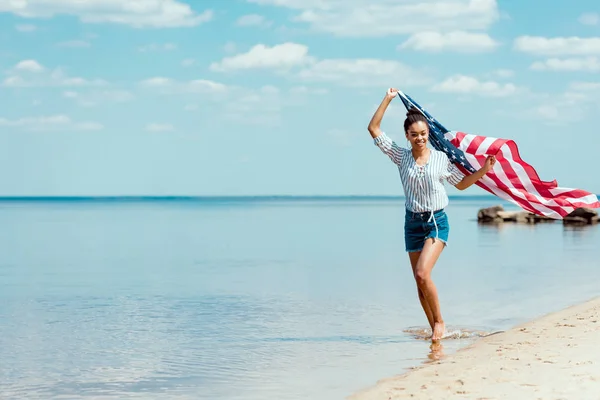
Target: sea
<point>254,298</point>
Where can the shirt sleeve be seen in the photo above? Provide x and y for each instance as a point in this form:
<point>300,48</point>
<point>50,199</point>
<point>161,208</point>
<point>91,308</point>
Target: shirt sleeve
<point>389,147</point>
<point>453,174</point>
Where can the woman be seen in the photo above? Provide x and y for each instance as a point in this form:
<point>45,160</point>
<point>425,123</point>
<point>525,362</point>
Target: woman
<point>422,172</point>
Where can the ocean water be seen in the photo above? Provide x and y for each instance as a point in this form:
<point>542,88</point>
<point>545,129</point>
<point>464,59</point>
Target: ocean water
<point>249,299</point>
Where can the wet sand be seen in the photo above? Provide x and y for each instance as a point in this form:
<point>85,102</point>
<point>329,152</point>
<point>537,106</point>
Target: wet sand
<point>554,357</point>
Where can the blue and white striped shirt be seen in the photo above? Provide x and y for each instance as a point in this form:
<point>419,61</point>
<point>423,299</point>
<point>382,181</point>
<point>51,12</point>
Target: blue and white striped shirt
<point>423,185</point>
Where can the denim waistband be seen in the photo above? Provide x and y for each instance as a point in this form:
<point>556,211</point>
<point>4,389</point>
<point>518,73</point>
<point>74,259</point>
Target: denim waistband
<point>424,214</point>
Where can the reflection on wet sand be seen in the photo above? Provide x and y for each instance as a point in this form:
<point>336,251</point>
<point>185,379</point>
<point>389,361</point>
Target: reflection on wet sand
<point>436,353</point>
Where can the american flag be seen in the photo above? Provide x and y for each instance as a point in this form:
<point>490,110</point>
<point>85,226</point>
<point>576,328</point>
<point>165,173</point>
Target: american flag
<point>511,178</point>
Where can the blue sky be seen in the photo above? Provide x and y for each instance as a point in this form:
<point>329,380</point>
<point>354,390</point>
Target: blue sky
<point>254,97</point>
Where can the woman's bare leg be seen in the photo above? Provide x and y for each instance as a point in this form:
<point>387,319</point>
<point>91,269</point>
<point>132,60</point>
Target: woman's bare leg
<point>425,263</point>
<point>414,258</point>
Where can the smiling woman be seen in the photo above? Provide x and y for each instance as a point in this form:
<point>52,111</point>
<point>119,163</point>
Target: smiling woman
<point>426,227</point>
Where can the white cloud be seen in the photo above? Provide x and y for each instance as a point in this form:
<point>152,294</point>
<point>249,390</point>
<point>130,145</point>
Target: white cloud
<point>584,94</point>
<point>558,46</point>
<point>589,19</point>
<point>364,72</point>
<point>247,105</point>
<point>138,14</point>
<point>280,56</point>
<point>230,47</point>
<point>562,110</point>
<point>585,86</point>
<point>589,64</point>
<point>157,81</point>
<point>29,66</point>
<point>253,20</point>
<point>154,127</point>
<point>205,85</point>
<point>548,111</point>
<point>269,89</point>
<point>88,126</point>
<point>14,81</point>
<point>171,86</point>
<point>30,73</point>
<point>456,41</point>
<point>503,73</point>
<point>158,47</point>
<point>261,106</point>
<point>579,100</point>
<point>96,97</point>
<point>469,85</point>
<point>299,4</point>
<point>75,44</point>
<point>70,95</point>
<point>299,90</point>
<point>188,62</point>
<point>390,17</point>
<point>25,28</point>
<point>50,123</point>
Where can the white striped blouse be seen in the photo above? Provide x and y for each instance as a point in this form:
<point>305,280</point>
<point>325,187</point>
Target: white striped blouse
<point>423,185</point>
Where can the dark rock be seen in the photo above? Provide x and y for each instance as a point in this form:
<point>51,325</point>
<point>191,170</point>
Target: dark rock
<point>589,214</point>
<point>490,214</point>
<point>513,216</point>
<point>575,221</point>
<point>535,218</point>
<point>507,216</point>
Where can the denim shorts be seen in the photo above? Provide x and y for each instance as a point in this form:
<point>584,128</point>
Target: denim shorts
<point>418,227</point>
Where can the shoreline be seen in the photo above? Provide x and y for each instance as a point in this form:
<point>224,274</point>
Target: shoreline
<point>555,356</point>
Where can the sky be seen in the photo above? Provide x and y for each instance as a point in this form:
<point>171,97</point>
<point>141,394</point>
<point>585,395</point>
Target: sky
<point>273,97</point>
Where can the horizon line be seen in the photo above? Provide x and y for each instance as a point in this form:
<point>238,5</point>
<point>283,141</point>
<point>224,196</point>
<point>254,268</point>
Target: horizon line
<point>218,197</point>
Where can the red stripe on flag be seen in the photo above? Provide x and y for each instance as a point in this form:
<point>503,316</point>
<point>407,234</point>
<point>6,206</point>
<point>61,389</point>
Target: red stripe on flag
<point>458,138</point>
<point>474,145</point>
<point>495,147</point>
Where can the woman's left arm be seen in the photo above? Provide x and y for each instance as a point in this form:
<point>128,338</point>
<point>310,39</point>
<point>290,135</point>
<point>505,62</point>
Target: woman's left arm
<point>469,180</point>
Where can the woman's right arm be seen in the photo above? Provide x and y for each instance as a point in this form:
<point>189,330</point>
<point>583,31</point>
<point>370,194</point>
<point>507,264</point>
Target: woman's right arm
<point>375,123</point>
<point>385,144</point>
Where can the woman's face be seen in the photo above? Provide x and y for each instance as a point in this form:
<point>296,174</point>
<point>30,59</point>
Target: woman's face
<point>418,135</point>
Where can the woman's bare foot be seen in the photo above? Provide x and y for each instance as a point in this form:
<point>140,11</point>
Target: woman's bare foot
<point>438,331</point>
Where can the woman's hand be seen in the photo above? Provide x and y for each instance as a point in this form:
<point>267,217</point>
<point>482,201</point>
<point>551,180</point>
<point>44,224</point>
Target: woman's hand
<point>489,164</point>
<point>391,93</point>
<point>470,179</point>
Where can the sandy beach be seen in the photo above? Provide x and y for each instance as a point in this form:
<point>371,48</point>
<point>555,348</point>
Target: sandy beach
<point>554,357</point>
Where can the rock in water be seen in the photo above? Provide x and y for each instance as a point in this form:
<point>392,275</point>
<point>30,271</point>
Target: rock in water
<point>522,217</point>
<point>507,215</point>
<point>513,216</point>
<point>490,214</point>
<point>575,221</point>
<point>579,214</point>
<point>535,218</point>
<point>496,214</point>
